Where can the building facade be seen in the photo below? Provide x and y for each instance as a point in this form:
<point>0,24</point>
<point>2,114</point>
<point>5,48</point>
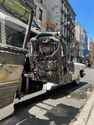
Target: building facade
<point>62,16</point>
<point>91,51</point>
<point>81,43</point>
<point>40,14</point>
<point>68,27</point>
<point>78,41</point>
<point>85,51</point>
<point>53,12</point>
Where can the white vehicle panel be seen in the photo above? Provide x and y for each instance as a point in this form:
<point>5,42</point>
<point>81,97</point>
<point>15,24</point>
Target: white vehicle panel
<point>77,68</point>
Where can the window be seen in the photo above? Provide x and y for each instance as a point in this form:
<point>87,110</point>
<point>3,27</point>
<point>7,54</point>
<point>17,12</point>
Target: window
<point>14,34</point>
<point>40,14</point>
<point>35,10</point>
<point>40,1</point>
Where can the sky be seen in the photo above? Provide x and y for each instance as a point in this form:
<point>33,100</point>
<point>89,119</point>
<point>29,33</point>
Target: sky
<point>84,14</point>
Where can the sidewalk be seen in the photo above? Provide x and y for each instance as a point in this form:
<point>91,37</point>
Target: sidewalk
<point>86,116</point>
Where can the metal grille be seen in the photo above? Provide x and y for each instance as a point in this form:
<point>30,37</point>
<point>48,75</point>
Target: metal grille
<point>3,34</point>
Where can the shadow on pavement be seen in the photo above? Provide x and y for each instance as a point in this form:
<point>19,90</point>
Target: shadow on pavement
<point>56,93</point>
<point>64,90</point>
<point>58,114</point>
<point>62,114</point>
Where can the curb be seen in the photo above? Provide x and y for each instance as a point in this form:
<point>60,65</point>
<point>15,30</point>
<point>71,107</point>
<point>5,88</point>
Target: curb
<point>84,115</point>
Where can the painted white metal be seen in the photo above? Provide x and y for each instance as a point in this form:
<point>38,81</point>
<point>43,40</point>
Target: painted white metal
<point>29,96</point>
<point>77,81</point>
<point>6,111</point>
<point>16,21</point>
<point>77,68</point>
<point>48,86</point>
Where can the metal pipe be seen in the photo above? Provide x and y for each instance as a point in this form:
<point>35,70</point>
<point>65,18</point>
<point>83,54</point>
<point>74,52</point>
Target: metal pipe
<point>28,29</point>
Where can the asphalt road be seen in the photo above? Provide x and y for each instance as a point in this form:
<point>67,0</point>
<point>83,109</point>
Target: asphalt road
<point>58,107</point>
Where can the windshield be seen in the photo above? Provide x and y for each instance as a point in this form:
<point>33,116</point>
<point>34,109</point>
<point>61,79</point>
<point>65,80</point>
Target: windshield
<point>14,34</point>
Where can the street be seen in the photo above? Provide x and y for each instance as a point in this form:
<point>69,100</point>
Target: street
<point>57,107</point>
<point>44,44</point>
